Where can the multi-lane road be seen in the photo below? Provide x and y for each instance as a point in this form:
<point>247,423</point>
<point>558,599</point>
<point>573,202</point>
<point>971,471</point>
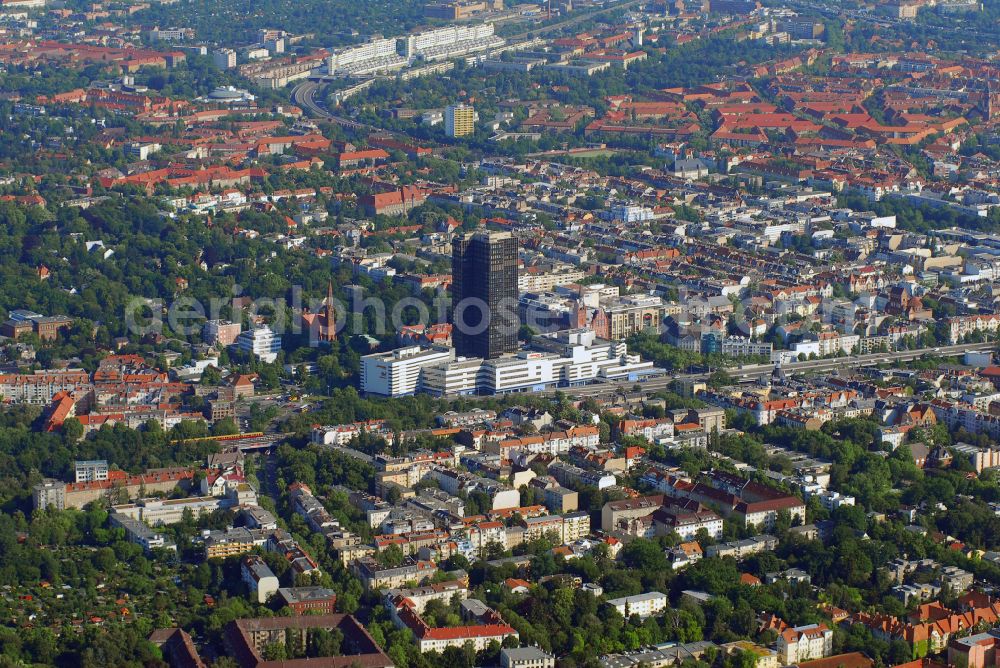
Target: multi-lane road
<point>574,18</point>
<point>304,94</point>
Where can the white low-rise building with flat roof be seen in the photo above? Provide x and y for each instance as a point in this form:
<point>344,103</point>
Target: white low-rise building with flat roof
<point>644,605</point>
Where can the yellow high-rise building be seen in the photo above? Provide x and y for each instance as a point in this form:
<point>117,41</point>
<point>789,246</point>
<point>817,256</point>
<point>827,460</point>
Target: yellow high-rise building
<point>459,120</point>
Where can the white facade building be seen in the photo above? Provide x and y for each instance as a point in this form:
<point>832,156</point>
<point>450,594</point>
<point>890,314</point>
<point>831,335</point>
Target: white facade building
<point>577,357</point>
<point>89,471</point>
<point>804,643</point>
<point>458,377</point>
<point>397,373</point>
<point>570,358</point>
<point>259,578</point>
<point>575,526</point>
<point>261,342</point>
<point>626,213</point>
<point>644,605</point>
<point>377,55</point>
<point>526,657</point>
<point>450,42</point>
<point>342,434</point>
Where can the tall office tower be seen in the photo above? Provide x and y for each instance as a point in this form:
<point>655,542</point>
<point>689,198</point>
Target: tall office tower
<point>484,294</point>
<point>459,120</point>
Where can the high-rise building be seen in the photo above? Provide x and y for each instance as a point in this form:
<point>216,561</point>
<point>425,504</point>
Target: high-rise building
<point>224,59</point>
<point>275,45</point>
<point>49,493</point>
<point>459,120</point>
<point>484,294</point>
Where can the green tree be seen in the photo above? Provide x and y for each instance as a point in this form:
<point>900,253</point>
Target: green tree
<point>275,651</point>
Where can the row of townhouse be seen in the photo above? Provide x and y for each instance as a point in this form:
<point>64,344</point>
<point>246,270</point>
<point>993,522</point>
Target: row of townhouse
<point>483,534</point>
<point>652,429</point>
<point>564,528</point>
<point>376,577</point>
<point>766,411</point>
<point>958,415</point>
<point>931,626</point>
<point>318,518</point>
<point>421,596</point>
<point>961,326</point>
<point>281,542</point>
<point>483,627</point>
<point>660,515</point>
<point>342,434</point>
<point>551,443</point>
<point>687,522</point>
<point>411,543</point>
<point>804,643</point>
<point>748,502</point>
<point>741,549</point>
<point>41,386</point>
<point>573,476</point>
<point>455,482</point>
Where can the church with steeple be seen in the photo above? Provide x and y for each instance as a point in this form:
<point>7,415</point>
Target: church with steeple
<point>321,325</point>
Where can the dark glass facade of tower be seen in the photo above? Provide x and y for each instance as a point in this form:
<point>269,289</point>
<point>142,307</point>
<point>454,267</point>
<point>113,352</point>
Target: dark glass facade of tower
<point>484,278</point>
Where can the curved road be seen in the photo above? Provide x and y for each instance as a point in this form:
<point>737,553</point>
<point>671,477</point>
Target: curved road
<point>304,95</point>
